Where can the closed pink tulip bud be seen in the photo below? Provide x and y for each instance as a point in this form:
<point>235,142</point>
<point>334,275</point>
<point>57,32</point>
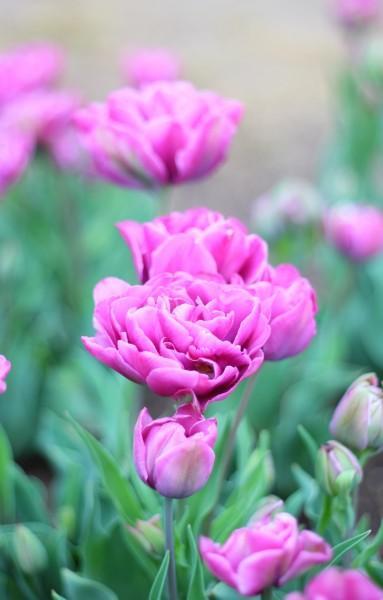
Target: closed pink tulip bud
<point>163,134</point>
<point>15,153</point>
<point>195,241</point>
<point>335,584</point>
<point>267,553</point>
<point>5,367</point>
<point>149,66</point>
<point>358,418</point>
<point>174,455</point>
<point>338,469</point>
<point>179,335</point>
<point>356,12</point>
<point>28,68</point>
<point>356,230</point>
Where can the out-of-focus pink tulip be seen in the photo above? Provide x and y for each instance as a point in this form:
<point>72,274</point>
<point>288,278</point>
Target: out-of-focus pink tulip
<point>356,230</point>
<point>150,65</point>
<point>334,584</point>
<point>267,553</point>
<point>356,12</point>
<point>179,335</point>
<point>195,241</point>
<point>15,152</point>
<point>290,301</point>
<point>165,133</point>
<point>174,455</point>
<point>28,68</point>
<point>5,367</point>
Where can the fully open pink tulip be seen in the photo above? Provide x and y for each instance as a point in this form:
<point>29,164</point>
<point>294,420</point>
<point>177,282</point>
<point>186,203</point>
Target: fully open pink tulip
<point>195,241</point>
<point>269,552</point>
<point>165,133</point>
<point>15,152</point>
<point>174,455</point>
<point>179,335</point>
<point>5,367</point>
<point>356,230</point>
<point>356,12</point>
<point>334,584</point>
<point>149,66</point>
<point>28,68</point>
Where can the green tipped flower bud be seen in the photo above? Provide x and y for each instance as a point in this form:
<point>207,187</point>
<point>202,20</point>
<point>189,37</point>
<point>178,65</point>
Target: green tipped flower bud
<point>358,418</point>
<point>30,554</point>
<point>150,534</point>
<point>338,469</point>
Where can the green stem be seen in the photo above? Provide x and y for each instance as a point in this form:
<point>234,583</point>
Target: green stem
<point>172,579</point>
<point>325,515</point>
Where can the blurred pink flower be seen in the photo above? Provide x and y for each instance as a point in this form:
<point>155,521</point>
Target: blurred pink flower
<point>179,335</point>
<point>269,552</point>
<point>27,68</point>
<point>356,12</point>
<point>174,455</point>
<point>15,152</point>
<point>150,65</point>
<point>334,584</point>
<point>195,241</point>
<point>165,133</point>
<point>356,230</point>
<point>5,367</point>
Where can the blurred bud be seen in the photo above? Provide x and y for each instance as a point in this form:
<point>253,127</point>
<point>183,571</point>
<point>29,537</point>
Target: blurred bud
<point>30,554</point>
<point>67,520</point>
<point>358,418</point>
<point>338,469</point>
<point>268,507</point>
<point>150,534</point>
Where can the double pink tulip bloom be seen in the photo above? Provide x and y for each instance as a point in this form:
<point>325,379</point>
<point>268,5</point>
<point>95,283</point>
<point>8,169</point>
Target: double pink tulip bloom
<point>269,552</point>
<point>5,367</point>
<point>174,455</point>
<point>164,133</point>
<point>149,66</point>
<point>334,584</point>
<point>356,230</point>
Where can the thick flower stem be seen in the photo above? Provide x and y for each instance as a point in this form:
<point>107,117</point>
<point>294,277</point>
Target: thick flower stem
<point>325,515</point>
<point>172,579</point>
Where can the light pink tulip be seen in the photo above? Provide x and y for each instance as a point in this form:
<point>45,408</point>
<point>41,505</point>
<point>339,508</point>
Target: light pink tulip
<point>267,553</point>
<point>356,12</point>
<point>5,367</point>
<point>195,241</point>
<point>174,455</point>
<point>334,584</point>
<point>15,152</point>
<point>356,230</point>
<point>165,133</point>
<point>179,335</point>
<point>150,65</point>
<point>28,68</point>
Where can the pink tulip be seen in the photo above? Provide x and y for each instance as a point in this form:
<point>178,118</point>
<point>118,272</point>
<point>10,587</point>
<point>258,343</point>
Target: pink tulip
<point>356,12</point>
<point>5,367</point>
<point>356,230</point>
<point>28,68</point>
<point>149,66</point>
<point>334,584</point>
<point>179,335</point>
<point>195,241</point>
<point>165,133</point>
<point>15,152</point>
<point>290,301</point>
<point>174,455</point>
<point>267,553</point>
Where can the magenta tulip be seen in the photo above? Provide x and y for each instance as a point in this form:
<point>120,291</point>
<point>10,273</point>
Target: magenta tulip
<point>15,152</point>
<point>179,335</point>
<point>334,584</point>
<point>268,552</point>
<point>150,65</point>
<point>5,367</point>
<point>356,230</point>
<point>356,12</point>
<point>165,133</point>
<point>174,455</point>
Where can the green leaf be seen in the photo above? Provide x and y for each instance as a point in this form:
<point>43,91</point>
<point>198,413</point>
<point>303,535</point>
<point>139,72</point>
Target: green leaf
<point>196,589</point>
<point>370,550</point>
<point>79,588</point>
<point>340,549</point>
<point>160,579</point>
<point>311,445</point>
<point>117,486</point>
<point>6,483</point>
<point>56,596</point>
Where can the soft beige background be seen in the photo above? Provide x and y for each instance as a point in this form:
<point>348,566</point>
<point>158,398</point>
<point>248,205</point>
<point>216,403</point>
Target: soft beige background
<point>278,57</point>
